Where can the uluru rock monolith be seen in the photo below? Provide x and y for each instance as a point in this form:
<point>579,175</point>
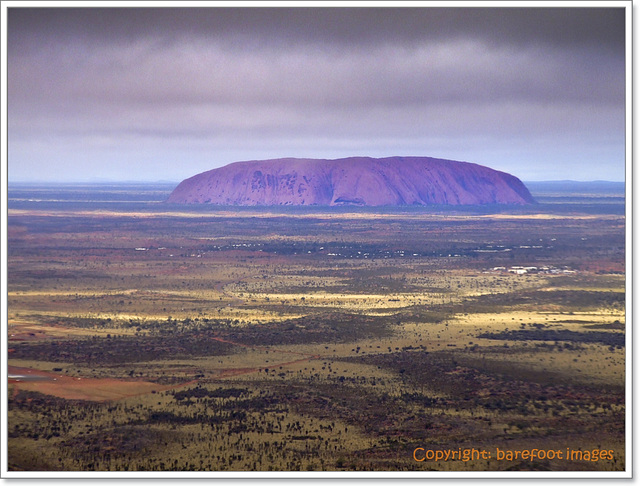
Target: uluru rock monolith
<point>362,181</point>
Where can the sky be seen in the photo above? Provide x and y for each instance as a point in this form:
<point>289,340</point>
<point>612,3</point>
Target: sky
<point>161,94</point>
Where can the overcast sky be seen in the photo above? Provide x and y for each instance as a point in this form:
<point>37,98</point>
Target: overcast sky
<point>163,94</point>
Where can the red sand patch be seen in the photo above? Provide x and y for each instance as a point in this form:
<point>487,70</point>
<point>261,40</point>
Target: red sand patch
<point>78,388</point>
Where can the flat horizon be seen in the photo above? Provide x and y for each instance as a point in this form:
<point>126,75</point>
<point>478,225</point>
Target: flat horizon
<point>147,181</point>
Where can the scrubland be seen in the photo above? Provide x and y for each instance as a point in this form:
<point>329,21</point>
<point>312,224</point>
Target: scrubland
<point>151,338</point>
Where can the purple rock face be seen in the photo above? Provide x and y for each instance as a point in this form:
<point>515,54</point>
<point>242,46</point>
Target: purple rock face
<point>362,181</point>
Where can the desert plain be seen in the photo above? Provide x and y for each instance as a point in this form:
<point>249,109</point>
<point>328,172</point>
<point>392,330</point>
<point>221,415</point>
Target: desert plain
<point>146,336</point>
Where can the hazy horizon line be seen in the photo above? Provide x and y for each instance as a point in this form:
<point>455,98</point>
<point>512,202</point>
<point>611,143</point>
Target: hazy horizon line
<point>164,181</point>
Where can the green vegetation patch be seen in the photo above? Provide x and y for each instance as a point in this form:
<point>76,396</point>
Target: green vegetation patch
<point>601,337</point>
<point>123,349</point>
<point>569,299</point>
<point>616,325</point>
<point>319,328</point>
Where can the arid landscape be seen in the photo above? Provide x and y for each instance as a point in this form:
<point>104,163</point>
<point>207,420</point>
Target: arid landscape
<point>148,336</point>
<point>313,240</point>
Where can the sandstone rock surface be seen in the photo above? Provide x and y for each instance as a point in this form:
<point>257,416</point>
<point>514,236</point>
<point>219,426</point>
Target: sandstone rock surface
<point>364,181</point>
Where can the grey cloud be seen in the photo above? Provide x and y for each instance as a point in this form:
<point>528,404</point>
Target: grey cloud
<point>602,27</point>
<point>386,55</point>
<point>452,72</point>
<point>142,81</point>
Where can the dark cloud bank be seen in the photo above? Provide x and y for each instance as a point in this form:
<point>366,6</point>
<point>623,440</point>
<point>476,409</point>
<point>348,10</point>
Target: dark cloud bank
<point>142,93</point>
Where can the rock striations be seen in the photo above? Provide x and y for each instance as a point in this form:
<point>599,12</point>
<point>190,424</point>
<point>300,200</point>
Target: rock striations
<point>362,181</point>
